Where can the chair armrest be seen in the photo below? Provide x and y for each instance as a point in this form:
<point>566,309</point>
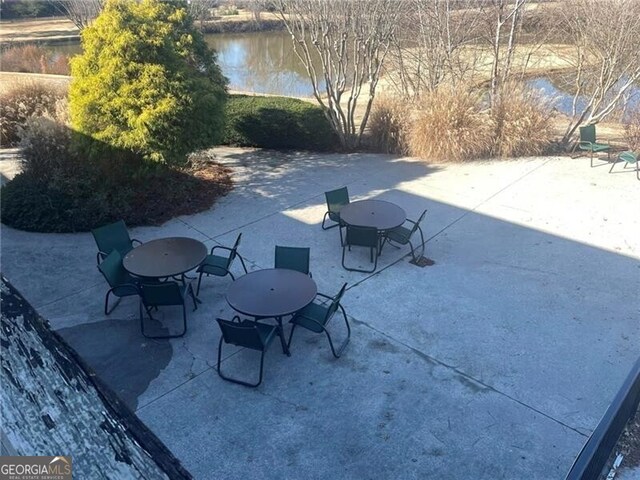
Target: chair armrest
<point>136,240</point>
<point>100,256</point>
<point>221,247</point>
<point>132,285</point>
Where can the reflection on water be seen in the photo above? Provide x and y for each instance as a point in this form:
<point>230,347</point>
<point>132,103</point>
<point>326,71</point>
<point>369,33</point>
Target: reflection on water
<point>562,96</point>
<point>264,62</point>
<point>261,62</point>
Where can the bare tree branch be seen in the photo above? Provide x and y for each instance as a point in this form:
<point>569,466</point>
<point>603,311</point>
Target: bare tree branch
<point>349,40</point>
<point>606,60</point>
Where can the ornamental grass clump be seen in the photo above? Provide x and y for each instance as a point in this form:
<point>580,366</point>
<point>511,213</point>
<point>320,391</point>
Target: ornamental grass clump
<point>451,125</point>
<point>632,130</point>
<point>22,100</point>
<point>523,122</point>
<point>389,125</point>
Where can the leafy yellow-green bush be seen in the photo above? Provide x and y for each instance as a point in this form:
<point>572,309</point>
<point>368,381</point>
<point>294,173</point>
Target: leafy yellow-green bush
<point>451,125</point>
<point>389,125</point>
<point>147,82</point>
<point>523,123</point>
<point>22,100</point>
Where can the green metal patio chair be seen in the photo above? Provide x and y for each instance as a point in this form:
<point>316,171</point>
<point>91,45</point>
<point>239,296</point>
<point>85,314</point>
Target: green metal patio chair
<point>220,265</point>
<point>122,284</point>
<point>246,334</point>
<point>336,199</point>
<point>164,294</point>
<point>402,236</point>
<point>114,236</point>
<point>589,144</point>
<point>293,258</point>
<point>316,317</point>
<point>361,237</point>
<point>629,158</point>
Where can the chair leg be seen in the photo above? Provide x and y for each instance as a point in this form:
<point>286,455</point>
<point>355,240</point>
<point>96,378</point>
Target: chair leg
<point>199,280</point>
<point>293,327</point>
<point>413,251</point>
<point>235,380</point>
<point>613,164</point>
<point>106,303</point>
<point>193,297</point>
<point>374,260</point>
<point>338,353</point>
<point>324,219</point>
<point>243,265</point>
<point>158,337</point>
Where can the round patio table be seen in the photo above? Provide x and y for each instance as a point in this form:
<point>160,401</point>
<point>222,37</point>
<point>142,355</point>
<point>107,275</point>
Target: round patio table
<point>165,257</point>
<point>272,293</point>
<point>373,213</point>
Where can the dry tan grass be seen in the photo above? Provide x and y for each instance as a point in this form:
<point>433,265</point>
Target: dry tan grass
<point>389,125</point>
<point>33,59</point>
<point>21,100</point>
<point>523,122</point>
<point>450,125</point>
<point>632,130</point>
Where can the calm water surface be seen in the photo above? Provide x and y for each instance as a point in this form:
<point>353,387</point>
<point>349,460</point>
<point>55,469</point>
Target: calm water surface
<point>264,62</point>
<point>261,62</point>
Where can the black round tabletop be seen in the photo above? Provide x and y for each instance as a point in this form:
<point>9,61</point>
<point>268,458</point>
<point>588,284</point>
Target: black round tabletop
<point>274,292</point>
<point>373,213</point>
<point>165,257</point>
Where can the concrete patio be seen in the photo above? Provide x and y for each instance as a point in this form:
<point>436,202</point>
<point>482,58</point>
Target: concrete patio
<point>494,363</point>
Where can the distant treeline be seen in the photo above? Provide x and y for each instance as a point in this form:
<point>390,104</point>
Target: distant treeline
<point>14,9</point>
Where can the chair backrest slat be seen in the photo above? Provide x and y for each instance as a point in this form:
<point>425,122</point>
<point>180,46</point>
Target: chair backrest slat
<point>335,303</point>
<point>161,294</point>
<point>588,133</point>
<point>114,236</point>
<point>418,222</point>
<point>112,269</point>
<point>234,250</point>
<point>336,199</point>
<point>293,258</point>
<point>240,334</point>
<point>362,236</point>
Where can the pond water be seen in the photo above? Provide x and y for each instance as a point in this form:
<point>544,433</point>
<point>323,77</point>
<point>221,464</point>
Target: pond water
<point>264,62</point>
<point>555,89</point>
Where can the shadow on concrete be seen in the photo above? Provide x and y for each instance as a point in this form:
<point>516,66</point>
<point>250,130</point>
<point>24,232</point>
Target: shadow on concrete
<point>504,353</point>
<point>125,360</point>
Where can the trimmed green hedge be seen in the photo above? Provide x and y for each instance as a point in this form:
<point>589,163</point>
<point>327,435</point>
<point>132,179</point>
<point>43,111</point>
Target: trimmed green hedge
<point>278,123</point>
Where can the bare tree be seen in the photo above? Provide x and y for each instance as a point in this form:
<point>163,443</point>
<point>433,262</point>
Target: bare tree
<point>343,45</point>
<point>80,12</point>
<point>201,9</point>
<point>434,45</point>
<point>504,18</point>
<point>83,12</point>
<point>606,57</point>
